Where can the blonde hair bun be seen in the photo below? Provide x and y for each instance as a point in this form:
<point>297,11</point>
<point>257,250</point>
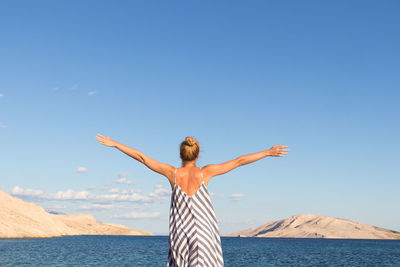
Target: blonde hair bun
<point>191,141</point>
<point>189,149</point>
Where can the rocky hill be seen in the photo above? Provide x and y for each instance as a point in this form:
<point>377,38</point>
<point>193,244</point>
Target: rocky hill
<point>315,226</point>
<point>20,219</point>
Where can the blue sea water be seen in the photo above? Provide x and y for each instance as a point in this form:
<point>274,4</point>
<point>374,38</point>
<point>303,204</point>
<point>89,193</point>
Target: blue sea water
<point>152,251</point>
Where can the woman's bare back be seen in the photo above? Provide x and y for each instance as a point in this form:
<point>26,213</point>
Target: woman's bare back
<point>189,179</point>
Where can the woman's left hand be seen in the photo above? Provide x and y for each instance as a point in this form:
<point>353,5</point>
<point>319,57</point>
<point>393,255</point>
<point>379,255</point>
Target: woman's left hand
<point>105,140</point>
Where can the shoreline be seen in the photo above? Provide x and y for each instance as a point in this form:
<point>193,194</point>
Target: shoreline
<point>222,236</point>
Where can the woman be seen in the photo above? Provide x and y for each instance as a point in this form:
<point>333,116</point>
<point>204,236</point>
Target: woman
<point>194,238</point>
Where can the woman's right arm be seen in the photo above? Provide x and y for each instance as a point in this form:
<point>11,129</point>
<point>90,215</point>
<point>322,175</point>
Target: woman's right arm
<point>212,170</point>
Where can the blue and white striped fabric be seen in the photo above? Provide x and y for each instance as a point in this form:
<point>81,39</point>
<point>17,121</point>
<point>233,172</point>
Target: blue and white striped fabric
<point>194,238</point>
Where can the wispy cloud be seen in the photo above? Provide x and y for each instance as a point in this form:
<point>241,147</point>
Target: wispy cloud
<point>138,215</point>
<point>56,207</point>
<point>96,206</point>
<point>130,197</point>
<point>61,195</point>
<point>212,194</point>
<point>81,169</point>
<point>104,187</point>
<point>72,88</point>
<point>114,190</point>
<point>236,197</point>
<point>3,125</point>
<point>160,193</point>
<point>122,179</point>
<point>1,95</point>
<point>71,195</point>
<point>27,192</point>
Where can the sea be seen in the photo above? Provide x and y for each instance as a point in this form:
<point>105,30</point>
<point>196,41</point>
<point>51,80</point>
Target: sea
<point>237,251</point>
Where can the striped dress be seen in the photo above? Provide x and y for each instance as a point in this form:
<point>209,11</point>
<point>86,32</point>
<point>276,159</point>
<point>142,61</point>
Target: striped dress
<point>194,238</point>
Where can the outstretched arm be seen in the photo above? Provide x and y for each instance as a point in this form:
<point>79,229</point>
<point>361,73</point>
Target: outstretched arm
<point>161,168</point>
<point>275,151</point>
<point>212,170</point>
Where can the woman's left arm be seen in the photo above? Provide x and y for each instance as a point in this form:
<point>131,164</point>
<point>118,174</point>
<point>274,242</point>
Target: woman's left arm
<point>161,168</point>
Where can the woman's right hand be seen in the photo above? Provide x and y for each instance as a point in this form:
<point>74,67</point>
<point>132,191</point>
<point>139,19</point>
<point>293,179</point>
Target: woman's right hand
<point>277,151</point>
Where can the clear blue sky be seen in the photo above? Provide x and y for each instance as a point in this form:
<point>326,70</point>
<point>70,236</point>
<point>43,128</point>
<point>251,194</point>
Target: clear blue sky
<point>320,77</point>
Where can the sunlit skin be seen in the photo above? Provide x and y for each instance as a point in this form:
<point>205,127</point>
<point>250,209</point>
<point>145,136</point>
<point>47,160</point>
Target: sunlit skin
<point>189,167</point>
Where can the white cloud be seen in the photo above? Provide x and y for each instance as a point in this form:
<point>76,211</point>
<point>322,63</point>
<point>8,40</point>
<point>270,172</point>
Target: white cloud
<point>1,95</point>
<point>138,215</point>
<point>72,88</point>
<point>128,195</point>
<point>81,169</point>
<point>92,93</point>
<point>212,194</point>
<point>104,187</point>
<point>71,195</point>
<point>159,192</point>
<point>96,206</point>
<point>113,195</point>
<point>61,195</point>
<point>27,192</point>
<point>122,179</point>
<point>3,125</point>
<point>115,190</point>
<point>236,197</point>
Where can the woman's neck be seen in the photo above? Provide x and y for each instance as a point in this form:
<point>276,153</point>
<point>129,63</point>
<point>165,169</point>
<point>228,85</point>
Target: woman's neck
<point>189,164</point>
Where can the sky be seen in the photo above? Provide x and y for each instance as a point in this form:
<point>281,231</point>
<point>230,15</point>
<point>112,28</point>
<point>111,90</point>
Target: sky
<point>321,77</point>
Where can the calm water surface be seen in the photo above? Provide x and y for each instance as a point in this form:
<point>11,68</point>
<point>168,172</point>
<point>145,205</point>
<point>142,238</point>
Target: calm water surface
<point>153,250</point>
